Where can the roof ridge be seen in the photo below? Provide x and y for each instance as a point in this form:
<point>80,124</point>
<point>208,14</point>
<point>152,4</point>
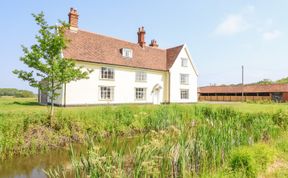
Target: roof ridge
<point>115,38</point>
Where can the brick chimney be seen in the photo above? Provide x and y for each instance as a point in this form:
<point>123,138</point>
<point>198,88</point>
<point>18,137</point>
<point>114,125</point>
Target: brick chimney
<point>154,43</point>
<point>73,19</point>
<point>141,37</point>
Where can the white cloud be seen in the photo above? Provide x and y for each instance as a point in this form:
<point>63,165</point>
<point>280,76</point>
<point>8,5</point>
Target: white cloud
<point>235,23</point>
<point>231,25</point>
<point>271,35</point>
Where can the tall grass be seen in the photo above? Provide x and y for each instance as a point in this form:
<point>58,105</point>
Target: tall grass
<point>179,141</point>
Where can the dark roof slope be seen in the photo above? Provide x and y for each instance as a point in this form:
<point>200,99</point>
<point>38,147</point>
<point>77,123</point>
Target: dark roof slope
<point>92,47</point>
<point>172,54</point>
<point>247,88</point>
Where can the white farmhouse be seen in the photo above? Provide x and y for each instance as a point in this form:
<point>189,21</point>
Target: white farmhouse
<point>125,72</point>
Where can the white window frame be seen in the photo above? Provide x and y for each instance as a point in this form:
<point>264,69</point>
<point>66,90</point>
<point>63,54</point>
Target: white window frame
<point>103,95</point>
<point>184,94</point>
<point>140,76</point>
<point>127,53</point>
<point>106,73</point>
<point>184,62</point>
<point>184,79</point>
<point>138,94</point>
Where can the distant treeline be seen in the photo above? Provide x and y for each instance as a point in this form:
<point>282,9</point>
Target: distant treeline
<point>261,82</point>
<point>268,81</point>
<point>16,93</point>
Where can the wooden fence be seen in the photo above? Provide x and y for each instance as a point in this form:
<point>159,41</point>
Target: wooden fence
<point>234,98</point>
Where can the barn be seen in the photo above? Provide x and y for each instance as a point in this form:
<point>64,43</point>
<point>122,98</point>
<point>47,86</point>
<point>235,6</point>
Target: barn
<point>255,92</point>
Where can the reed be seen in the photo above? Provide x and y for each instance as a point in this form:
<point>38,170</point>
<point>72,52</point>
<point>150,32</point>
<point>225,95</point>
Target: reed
<point>185,148</point>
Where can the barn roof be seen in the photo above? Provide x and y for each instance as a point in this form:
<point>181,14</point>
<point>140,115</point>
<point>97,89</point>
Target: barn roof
<point>257,88</point>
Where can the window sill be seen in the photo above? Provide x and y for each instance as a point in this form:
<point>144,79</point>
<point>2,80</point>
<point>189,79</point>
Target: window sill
<point>105,79</point>
<point>140,100</point>
<point>105,100</point>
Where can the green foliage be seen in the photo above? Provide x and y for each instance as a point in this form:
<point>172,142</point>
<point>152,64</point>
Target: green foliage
<point>16,93</point>
<point>249,161</point>
<point>179,140</point>
<point>283,80</point>
<point>199,143</point>
<point>49,70</point>
<point>281,119</point>
<point>264,155</point>
<point>265,81</point>
<point>242,161</point>
<point>268,81</point>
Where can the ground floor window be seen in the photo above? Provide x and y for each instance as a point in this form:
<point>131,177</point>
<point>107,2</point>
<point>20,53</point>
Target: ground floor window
<point>184,94</point>
<point>106,93</point>
<point>140,93</point>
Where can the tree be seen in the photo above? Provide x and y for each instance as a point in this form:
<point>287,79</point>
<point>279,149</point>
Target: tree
<point>49,70</point>
<point>283,81</point>
<point>265,81</point>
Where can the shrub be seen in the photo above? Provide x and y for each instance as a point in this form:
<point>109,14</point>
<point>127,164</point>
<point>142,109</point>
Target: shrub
<point>250,160</point>
<point>263,155</point>
<point>242,161</point>
<point>281,119</point>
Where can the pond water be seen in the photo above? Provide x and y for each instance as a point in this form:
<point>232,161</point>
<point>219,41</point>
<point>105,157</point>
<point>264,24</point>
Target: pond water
<point>33,166</point>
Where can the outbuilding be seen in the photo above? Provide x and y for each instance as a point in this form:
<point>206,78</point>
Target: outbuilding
<point>255,92</point>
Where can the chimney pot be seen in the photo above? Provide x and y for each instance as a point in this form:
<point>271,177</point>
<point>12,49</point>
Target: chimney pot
<point>154,43</point>
<point>141,37</point>
<point>73,19</point>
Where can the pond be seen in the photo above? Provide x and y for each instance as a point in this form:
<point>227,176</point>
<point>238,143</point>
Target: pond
<point>33,166</point>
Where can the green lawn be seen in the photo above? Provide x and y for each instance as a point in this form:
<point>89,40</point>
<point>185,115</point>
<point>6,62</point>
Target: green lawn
<point>250,107</point>
<point>30,104</point>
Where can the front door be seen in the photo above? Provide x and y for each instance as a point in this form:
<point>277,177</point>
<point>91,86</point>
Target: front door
<point>156,98</point>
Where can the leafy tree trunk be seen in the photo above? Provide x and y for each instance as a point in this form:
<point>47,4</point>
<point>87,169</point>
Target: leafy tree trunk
<point>51,116</point>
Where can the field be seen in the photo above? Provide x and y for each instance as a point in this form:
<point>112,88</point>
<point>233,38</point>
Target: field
<point>198,140</point>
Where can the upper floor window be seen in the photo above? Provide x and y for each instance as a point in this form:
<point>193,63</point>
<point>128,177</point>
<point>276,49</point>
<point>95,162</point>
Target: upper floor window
<point>184,79</point>
<point>140,93</point>
<point>106,93</point>
<point>184,94</point>
<point>126,52</point>
<point>141,76</point>
<point>184,62</point>
<point>107,73</point>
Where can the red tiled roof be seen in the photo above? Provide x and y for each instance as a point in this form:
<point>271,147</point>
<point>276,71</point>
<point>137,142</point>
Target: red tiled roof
<point>172,54</point>
<point>247,88</point>
<point>92,47</point>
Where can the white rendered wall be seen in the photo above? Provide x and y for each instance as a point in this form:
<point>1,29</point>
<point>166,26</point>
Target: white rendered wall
<point>86,91</point>
<point>175,85</point>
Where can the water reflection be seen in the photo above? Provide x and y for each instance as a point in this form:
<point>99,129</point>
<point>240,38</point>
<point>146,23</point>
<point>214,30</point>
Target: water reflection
<point>32,166</point>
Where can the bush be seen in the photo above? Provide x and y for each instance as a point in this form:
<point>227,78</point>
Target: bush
<point>281,119</point>
<point>250,160</point>
<point>242,161</point>
<point>263,155</point>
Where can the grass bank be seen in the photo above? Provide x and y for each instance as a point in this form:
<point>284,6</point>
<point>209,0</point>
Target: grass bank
<point>212,143</point>
<point>24,126</point>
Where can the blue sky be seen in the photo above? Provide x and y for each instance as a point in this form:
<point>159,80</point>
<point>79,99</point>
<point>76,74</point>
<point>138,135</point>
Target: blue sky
<point>222,35</point>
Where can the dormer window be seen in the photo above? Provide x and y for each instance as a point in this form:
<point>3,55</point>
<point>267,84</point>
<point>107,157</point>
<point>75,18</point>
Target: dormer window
<point>127,53</point>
